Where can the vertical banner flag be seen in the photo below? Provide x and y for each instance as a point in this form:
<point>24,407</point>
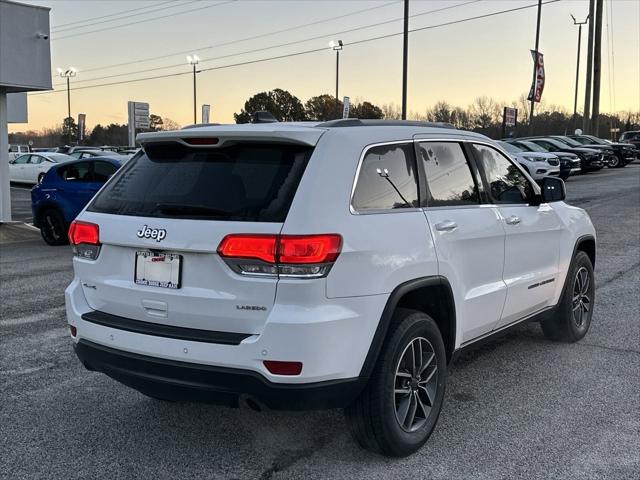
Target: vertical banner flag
<point>537,86</point>
<point>81,126</point>
<point>345,110</point>
<point>206,109</point>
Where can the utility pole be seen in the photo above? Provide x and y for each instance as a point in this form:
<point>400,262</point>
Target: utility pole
<point>587,90</point>
<point>575,98</point>
<point>535,69</point>
<point>597,67</point>
<point>405,58</point>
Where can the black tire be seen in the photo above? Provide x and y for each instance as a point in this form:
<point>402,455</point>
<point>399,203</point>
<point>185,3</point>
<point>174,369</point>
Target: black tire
<point>615,162</point>
<point>53,228</point>
<point>570,322</point>
<point>374,418</point>
<point>40,177</point>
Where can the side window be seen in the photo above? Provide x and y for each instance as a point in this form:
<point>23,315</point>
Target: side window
<point>449,178</point>
<point>387,179</point>
<point>76,172</point>
<point>21,160</point>
<point>505,181</point>
<point>35,159</point>
<point>102,171</point>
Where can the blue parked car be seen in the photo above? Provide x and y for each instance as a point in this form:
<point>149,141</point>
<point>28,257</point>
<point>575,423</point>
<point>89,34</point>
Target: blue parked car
<point>64,191</point>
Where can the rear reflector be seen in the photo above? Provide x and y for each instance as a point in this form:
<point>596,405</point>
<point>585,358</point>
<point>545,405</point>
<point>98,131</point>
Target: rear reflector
<point>73,330</point>
<point>283,368</point>
<point>84,232</point>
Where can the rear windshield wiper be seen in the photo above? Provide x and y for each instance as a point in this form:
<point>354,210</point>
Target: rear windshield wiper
<point>189,209</point>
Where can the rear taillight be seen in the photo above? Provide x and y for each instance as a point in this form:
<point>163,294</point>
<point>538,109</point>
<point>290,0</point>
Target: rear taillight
<point>305,256</point>
<point>85,239</point>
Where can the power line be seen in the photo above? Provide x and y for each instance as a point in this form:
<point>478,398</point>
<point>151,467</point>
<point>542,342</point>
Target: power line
<point>113,27</point>
<point>65,26</point>
<point>287,44</point>
<point>304,52</point>
<point>255,37</point>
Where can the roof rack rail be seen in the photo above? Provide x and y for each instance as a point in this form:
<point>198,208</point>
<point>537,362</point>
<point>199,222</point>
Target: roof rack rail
<point>197,125</point>
<point>356,122</point>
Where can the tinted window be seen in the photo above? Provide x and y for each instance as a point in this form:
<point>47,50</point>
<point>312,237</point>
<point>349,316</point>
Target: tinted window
<point>21,159</point>
<point>76,172</point>
<point>387,179</point>
<point>448,175</point>
<point>102,171</point>
<point>244,182</point>
<point>506,183</point>
<point>35,159</point>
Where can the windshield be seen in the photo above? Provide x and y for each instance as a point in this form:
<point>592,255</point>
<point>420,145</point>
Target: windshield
<point>510,147</point>
<point>569,141</point>
<point>243,182</point>
<point>534,147</point>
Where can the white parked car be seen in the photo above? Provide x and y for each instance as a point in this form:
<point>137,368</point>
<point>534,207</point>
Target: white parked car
<point>321,265</point>
<point>537,164</point>
<point>31,167</point>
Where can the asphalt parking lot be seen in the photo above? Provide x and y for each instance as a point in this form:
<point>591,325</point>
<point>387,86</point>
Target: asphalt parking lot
<point>517,407</point>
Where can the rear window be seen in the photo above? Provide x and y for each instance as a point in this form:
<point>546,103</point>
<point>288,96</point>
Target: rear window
<point>243,182</point>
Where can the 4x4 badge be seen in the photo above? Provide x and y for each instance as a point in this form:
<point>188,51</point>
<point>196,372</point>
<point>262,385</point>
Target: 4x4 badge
<point>156,233</point>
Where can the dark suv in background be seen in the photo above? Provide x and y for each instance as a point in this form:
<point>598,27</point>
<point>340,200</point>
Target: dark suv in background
<point>631,137</point>
<point>624,153</point>
<point>590,159</point>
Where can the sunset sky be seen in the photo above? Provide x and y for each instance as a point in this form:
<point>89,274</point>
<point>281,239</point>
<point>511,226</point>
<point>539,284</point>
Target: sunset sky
<point>488,56</point>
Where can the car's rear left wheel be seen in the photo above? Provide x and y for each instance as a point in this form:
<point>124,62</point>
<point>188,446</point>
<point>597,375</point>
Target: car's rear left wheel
<point>399,408</point>
<point>53,228</point>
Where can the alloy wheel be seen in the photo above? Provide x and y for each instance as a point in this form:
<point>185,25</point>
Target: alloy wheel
<point>581,301</point>
<point>415,384</point>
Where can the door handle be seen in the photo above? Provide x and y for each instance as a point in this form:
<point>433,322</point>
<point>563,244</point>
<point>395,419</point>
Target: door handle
<point>446,226</point>
<point>513,220</point>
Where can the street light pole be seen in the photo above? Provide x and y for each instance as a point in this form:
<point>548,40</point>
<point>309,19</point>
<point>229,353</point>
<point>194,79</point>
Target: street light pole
<point>575,98</point>
<point>68,73</point>
<point>337,46</point>
<point>193,61</point>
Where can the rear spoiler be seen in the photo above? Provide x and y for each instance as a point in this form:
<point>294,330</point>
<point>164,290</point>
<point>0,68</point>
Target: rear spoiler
<point>225,134</point>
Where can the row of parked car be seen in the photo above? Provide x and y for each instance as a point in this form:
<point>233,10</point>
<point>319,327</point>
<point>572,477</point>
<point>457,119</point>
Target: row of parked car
<point>64,179</point>
<point>562,155</point>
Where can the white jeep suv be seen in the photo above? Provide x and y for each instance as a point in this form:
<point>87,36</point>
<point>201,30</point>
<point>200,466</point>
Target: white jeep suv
<point>321,265</point>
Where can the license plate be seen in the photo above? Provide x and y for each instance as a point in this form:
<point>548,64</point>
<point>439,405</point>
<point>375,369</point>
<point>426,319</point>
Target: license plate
<point>158,269</point>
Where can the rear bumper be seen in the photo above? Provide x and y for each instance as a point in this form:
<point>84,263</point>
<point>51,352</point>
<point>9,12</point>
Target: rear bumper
<point>182,381</point>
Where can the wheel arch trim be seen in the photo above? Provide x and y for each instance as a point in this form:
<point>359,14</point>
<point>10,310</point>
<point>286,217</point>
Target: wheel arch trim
<point>396,295</point>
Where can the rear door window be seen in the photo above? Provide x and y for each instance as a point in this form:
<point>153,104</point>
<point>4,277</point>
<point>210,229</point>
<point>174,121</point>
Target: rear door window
<point>242,182</point>
<point>102,171</point>
<point>387,179</point>
<point>449,178</point>
<point>76,172</point>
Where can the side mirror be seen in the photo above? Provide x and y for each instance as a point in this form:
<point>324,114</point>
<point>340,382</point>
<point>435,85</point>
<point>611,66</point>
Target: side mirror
<point>553,189</point>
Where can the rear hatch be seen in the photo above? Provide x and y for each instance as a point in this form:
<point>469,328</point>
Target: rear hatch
<point>163,216</point>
